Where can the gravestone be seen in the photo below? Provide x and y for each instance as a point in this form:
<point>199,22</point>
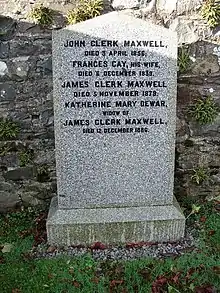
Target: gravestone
<point>114,110</point>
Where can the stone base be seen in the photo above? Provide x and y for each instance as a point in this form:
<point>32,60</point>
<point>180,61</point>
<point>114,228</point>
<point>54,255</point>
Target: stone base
<point>114,225</point>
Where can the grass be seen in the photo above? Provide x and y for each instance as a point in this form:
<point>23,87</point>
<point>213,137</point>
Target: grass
<point>85,10</point>
<point>204,110</point>
<point>200,175</point>
<point>183,60</point>
<point>42,15</point>
<point>210,11</point>
<point>8,129</point>
<point>196,271</point>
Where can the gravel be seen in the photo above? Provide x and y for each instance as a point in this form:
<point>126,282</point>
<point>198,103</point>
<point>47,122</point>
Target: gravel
<point>126,252</point>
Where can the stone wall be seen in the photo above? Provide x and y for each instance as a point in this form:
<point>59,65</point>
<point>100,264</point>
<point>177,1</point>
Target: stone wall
<point>27,161</point>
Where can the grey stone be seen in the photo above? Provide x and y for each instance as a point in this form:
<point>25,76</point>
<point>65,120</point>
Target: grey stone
<point>122,165</point>
<point>7,92</point>
<point>30,199</point>
<point>19,173</point>
<point>167,6</point>
<point>114,225</point>
<point>45,65</point>
<point>8,201</point>
<point>186,30</point>
<point>184,6</point>
<point>19,68</point>
<point>7,28</point>
<point>177,6</point>
<point>125,4</point>
<point>3,68</point>
<point>206,65</point>
<point>4,49</point>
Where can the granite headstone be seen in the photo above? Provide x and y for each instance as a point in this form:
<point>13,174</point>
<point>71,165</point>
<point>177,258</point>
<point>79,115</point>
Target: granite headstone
<point>114,114</point>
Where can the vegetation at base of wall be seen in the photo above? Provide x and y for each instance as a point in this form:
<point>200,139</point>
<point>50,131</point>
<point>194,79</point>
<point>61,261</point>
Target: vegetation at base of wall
<point>183,60</point>
<point>8,129</point>
<point>200,175</point>
<point>4,150</point>
<point>85,10</point>
<point>210,11</point>
<point>42,15</point>
<point>196,271</point>
<point>42,173</point>
<point>204,111</point>
<point>25,157</point>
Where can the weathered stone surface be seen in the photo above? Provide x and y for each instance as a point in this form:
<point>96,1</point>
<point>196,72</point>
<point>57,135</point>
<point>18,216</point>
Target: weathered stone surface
<point>7,92</point>
<point>19,68</point>
<point>3,68</point>
<point>8,201</point>
<point>108,225</point>
<point>4,49</point>
<point>7,28</point>
<point>19,173</point>
<point>186,31</point>
<point>206,65</point>
<point>125,4</point>
<point>178,6</point>
<point>42,190</point>
<point>30,199</point>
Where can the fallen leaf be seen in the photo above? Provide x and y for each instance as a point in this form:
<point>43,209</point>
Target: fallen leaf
<point>95,280</point>
<point>51,249</point>
<point>211,232</point>
<point>116,282</point>
<point>175,279</point>
<point>98,245</point>
<point>146,274</point>
<point>7,248</point>
<point>205,289</point>
<point>216,269</point>
<point>76,284</point>
<point>203,219</point>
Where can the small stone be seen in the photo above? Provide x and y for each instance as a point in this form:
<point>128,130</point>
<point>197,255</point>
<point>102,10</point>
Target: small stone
<point>7,92</point>
<point>3,68</point>
<point>19,173</point>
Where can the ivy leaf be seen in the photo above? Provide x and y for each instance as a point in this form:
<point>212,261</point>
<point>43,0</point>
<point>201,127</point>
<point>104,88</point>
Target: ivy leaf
<point>195,209</point>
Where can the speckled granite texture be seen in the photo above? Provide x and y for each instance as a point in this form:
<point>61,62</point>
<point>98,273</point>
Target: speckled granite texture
<point>115,151</point>
<point>110,168</point>
<point>114,225</point>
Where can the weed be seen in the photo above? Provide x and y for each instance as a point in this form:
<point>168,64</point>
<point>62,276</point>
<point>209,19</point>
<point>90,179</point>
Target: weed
<point>8,129</point>
<point>210,11</point>
<point>25,157</point>
<point>4,150</point>
<point>200,175</point>
<point>204,110</point>
<point>183,60</point>
<point>42,173</point>
<point>85,10</point>
<point>42,15</point>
